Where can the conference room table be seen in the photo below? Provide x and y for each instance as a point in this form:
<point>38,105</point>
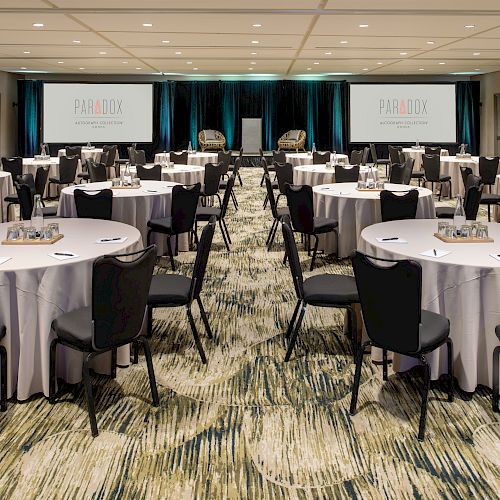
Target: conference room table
<point>313,175</point>
<point>182,174</point>
<point>463,285</point>
<point>450,165</point>
<point>417,153</point>
<point>297,159</point>
<point>356,210</point>
<point>36,288</point>
<point>131,206</point>
<point>89,153</point>
<point>196,158</point>
<point>6,188</point>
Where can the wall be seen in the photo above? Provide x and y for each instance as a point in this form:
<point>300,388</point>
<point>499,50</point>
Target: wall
<point>490,85</point>
<point>8,114</point>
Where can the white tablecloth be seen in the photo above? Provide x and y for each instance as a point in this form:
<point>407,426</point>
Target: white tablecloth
<point>35,289</point>
<point>181,174</point>
<point>6,188</point>
<point>464,286</point>
<point>416,154</point>
<point>356,210</point>
<point>93,153</point>
<point>450,165</point>
<point>307,159</point>
<point>197,158</point>
<point>131,206</point>
<point>313,175</point>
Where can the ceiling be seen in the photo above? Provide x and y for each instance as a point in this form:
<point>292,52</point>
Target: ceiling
<point>284,38</point>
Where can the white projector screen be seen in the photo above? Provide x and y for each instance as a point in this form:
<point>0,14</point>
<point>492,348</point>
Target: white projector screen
<point>89,112</point>
<point>402,113</point>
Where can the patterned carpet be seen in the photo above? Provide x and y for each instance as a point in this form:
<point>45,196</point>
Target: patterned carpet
<point>247,425</point>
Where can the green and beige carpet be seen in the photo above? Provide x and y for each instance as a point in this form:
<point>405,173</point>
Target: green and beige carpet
<point>247,425</point>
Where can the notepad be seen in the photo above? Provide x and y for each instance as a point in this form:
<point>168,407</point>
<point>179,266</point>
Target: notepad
<point>435,253</point>
<point>495,256</point>
<point>111,239</point>
<point>3,260</point>
<point>63,255</point>
<point>389,239</point>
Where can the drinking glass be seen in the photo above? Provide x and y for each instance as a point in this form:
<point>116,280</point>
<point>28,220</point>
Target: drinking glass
<point>115,181</point>
<point>12,233</point>
<point>465,231</point>
<point>136,181</point>
<point>54,227</point>
<point>30,233</point>
<point>379,185</point>
<point>482,232</point>
<point>450,231</point>
<point>442,225</point>
<point>361,184</point>
<point>46,233</point>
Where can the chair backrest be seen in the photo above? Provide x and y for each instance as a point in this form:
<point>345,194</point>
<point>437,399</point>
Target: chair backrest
<point>488,169</point>
<point>293,257</point>
<point>402,157</point>
<point>227,194</point>
<point>397,173</point>
<point>67,169</point>
<point>356,157</point>
<point>270,195</point>
<point>111,151</point>
<point>373,151</point>
<point>465,171</point>
<point>211,179</point>
<point>432,167</point>
<point>13,165</point>
<point>473,191</point>
<point>321,158</point>
<point>131,154</point>
<point>393,326</point>
<point>237,165</point>
<point>139,157</point>
<point>346,174</point>
<point>184,203</point>
<point>202,254</point>
<point>366,154</point>
<point>94,204</point>
<point>152,173</point>
<point>394,154</point>
<point>279,156</point>
<point>284,174</point>
<point>25,196</point>
<point>264,165</point>
<point>97,171</point>
<point>42,174</point>
<point>120,290</point>
<point>433,150</point>
<point>179,158</point>
<point>408,170</point>
<point>74,151</point>
<point>224,158</point>
<point>300,204</point>
<point>26,179</point>
<point>396,206</point>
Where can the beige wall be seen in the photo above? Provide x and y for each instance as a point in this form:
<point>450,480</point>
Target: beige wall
<point>8,114</point>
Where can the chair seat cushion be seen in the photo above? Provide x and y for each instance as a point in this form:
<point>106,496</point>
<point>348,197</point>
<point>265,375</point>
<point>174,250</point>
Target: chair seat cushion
<point>445,212</point>
<point>330,289</point>
<point>49,211</point>
<point>163,225</point>
<point>281,211</point>
<point>83,175</point>
<point>169,290</point>
<point>324,224</point>
<point>75,328</point>
<point>54,179</point>
<point>417,175</point>
<point>434,329</point>
<point>490,198</point>
<point>383,161</point>
<point>444,178</point>
<point>12,198</point>
<point>204,213</point>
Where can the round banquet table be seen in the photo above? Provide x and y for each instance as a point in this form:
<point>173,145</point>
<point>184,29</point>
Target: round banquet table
<point>356,210</point>
<point>132,206</point>
<point>307,158</point>
<point>313,175</point>
<point>6,188</point>
<point>182,174</point>
<point>199,158</point>
<point>450,165</point>
<point>92,153</point>
<point>416,154</point>
<point>36,288</point>
<point>463,286</point>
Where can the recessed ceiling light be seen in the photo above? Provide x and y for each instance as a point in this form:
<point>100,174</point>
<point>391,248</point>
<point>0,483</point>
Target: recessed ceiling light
<point>470,26</point>
<point>165,41</point>
<point>76,41</point>
<point>363,25</point>
<point>253,62</point>
<point>253,53</point>
<point>81,68</point>
<point>26,52</point>
<point>251,69</point>
<point>442,63</point>
<point>195,69</point>
<point>477,69</point>
<point>178,53</point>
<point>328,53</point>
<point>60,62</point>
<point>189,62</point>
<point>124,62</point>
<point>147,25</point>
<point>257,25</point>
<point>476,54</point>
<point>255,41</point>
<point>365,69</point>
<point>379,63</point>
<point>22,67</point>
<point>309,69</point>
<point>316,62</point>
<point>138,68</point>
<point>421,69</point>
<point>102,53</point>
<point>38,25</point>
<point>430,42</point>
<point>403,53</point>
<point>344,41</point>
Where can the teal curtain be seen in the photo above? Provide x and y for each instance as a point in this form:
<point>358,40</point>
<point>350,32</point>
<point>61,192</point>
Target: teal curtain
<point>269,104</point>
<point>166,102</point>
<point>468,120</point>
<point>338,97</point>
<point>29,96</point>
<point>230,104</point>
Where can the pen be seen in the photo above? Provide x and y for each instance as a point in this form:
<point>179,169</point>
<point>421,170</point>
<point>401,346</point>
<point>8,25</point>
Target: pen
<point>64,254</point>
<point>434,252</point>
<point>110,239</point>
<point>390,239</point>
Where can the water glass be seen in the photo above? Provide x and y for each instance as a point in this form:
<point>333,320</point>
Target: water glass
<point>450,231</point>
<point>54,227</point>
<point>361,184</point>
<point>136,181</point>
<point>379,185</point>
<point>115,181</point>
<point>328,164</point>
<point>466,231</point>
<point>46,233</point>
<point>475,225</point>
<point>12,233</point>
<point>482,232</point>
<point>30,233</point>
<point>442,225</point>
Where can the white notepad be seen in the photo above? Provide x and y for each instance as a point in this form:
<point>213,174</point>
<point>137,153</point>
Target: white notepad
<point>112,240</point>
<point>388,239</point>
<point>435,252</point>
<point>63,255</point>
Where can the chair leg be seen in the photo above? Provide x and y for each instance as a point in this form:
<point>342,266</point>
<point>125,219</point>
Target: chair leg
<point>292,321</point>
<point>449,192</point>
<point>239,178</point>
<point>262,180</point>
<point>235,201</point>
<point>88,393</point>
<point>449,345</point>
<point>227,231</point>
<point>170,254</point>
<point>135,351</point>
<point>314,252</point>
<point>266,199</point>
<point>151,372</point>
<point>223,235</point>
<point>425,395</point>
<point>113,362</point>
<point>3,375</point>
<point>440,190</point>
<point>273,235</point>
<point>204,318</point>
<point>196,336</point>
<point>52,371</point>
<point>293,337</point>
<point>384,364</point>
<point>271,232</point>
<point>489,213</point>
<point>357,377</point>
<point>496,390</point>
<point>148,238</point>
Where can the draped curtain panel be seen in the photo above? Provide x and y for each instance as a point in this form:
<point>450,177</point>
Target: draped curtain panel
<point>183,108</point>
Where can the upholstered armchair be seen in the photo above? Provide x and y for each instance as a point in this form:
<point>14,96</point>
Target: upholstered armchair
<point>293,139</point>
<point>211,139</point>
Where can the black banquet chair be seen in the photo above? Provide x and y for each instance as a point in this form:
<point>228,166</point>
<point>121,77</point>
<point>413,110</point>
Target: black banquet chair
<point>119,297</point>
<point>473,193</point>
<point>488,170</point>
<point>321,158</point>
<point>496,363</point>
<point>432,168</point>
<point>235,169</point>
<point>67,171</point>
<point>397,205</point>
<point>149,173</point>
<point>97,171</point>
<point>300,204</point>
<point>25,195</point>
<point>179,158</point>
<point>211,181</point>
<point>182,217</point>
<point>346,174</point>
<point>356,157</point>
<point>321,290</point>
<point>284,176</point>
<point>177,290</point>
<point>94,204</point>
<point>14,166</point>
<point>3,371</point>
<point>424,331</point>
<point>276,212</point>
<point>379,161</point>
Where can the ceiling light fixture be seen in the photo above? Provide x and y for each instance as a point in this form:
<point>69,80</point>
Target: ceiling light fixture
<point>316,62</point>
<point>421,69</point>
<point>469,26</point>
<point>379,63</point>
<point>26,52</point>
<point>442,63</point>
<point>124,62</point>
<point>328,53</point>
<point>178,53</point>
<point>38,25</point>
<point>147,25</point>
<point>257,25</point>
<point>165,41</point>
<point>365,69</point>
<point>138,68</point>
<point>76,41</point>
<point>22,67</point>
<point>189,62</point>
<point>476,54</point>
<point>255,41</point>
<point>309,69</point>
<point>363,25</point>
<point>60,62</point>
<point>81,68</point>
<point>403,53</point>
<point>102,53</point>
<point>253,62</point>
<point>195,69</point>
<point>253,53</point>
<point>250,69</point>
<point>430,42</point>
<point>344,41</point>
